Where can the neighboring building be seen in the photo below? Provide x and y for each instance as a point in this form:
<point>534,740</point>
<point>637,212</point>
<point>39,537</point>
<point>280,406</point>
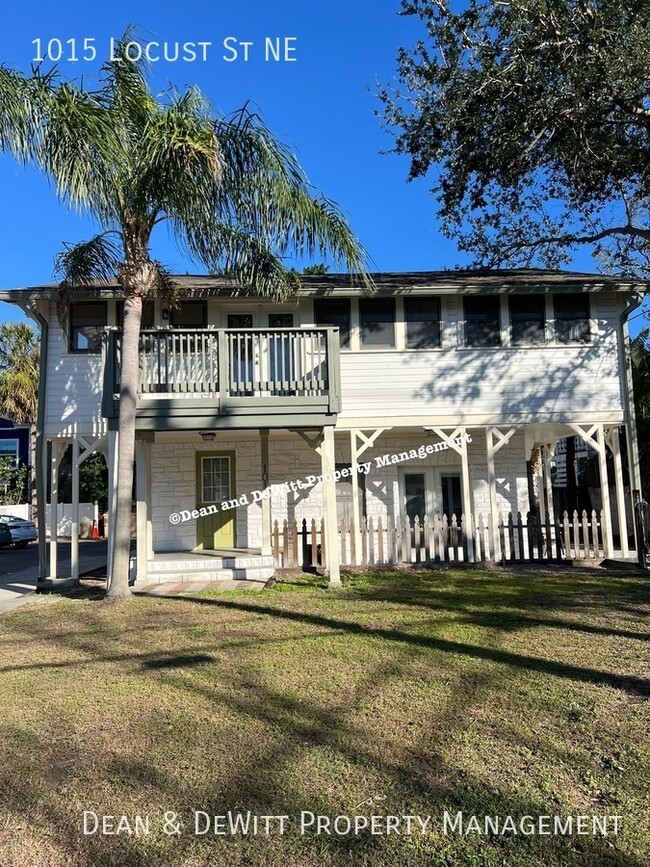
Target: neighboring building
<point>237,393</point>
<point>14,445</point>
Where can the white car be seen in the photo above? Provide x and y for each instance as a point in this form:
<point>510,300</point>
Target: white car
<point>22,532</point>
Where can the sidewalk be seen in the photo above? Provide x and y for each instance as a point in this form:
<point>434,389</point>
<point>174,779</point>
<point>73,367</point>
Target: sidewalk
<point>14,593</point>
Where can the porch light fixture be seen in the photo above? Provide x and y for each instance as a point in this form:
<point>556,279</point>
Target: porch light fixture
<point>165,313</point>
<point>208,436</point>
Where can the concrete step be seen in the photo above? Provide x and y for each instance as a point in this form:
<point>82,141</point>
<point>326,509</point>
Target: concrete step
<point>209,564</point>
<point>261,575</point>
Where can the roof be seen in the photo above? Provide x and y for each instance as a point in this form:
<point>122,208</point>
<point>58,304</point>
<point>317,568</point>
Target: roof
<point>460,281</point>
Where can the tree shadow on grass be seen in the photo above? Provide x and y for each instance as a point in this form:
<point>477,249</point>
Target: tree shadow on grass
<point>628,683</point>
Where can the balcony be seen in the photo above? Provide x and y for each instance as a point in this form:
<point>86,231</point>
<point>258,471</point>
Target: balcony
<point>190,379</point>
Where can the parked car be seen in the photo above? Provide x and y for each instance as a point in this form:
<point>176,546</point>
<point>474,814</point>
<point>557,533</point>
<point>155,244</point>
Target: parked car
<point>21,532</point>
<point>5,535</point>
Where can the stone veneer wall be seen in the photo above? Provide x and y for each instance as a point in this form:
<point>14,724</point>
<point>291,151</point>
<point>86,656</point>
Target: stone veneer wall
<point>174,480</point>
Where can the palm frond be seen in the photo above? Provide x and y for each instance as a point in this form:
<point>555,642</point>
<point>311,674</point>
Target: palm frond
<point>93,261</point>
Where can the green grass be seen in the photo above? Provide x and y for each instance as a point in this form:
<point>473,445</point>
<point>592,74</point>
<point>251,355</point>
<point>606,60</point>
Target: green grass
<point>484,692</point>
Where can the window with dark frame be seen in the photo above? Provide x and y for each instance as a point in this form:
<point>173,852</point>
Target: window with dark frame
<point>527,319</point>
<point>191,314</point>
<point>88,319</point>
<point>377,322</point>
<point>422,317</point>
<point>571,318</point>
<point>147,314</point>
<point>482,320</point>
<point>9,448</point>
<point>336,312</point>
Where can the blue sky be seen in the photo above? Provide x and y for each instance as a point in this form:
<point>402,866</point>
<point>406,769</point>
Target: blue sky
<point>322,103</point>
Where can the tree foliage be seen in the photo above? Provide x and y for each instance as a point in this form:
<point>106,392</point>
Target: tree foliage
<point>14,482</point>
<point>19,359</point>
<point>535,116</point>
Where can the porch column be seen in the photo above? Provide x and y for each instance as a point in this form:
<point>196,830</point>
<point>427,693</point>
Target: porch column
<point>356,516</point>
<point>74,523</point>
<point>267,549</point>
<point>621,511</point>
<point>41,504</point>
<point>329,507</point>
<point>142,474</point>
<point>467,497</point>
<point>492,487</point>
<point>54,506</point>
<point>112,501</point>
<point>608,536</point>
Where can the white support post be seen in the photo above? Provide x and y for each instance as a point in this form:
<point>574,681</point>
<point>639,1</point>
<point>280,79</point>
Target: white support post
<point>329,504</point>
<point>74,524</point>
<point>356,516</point>
<point>141,472</point>
<point>267,549</point>
<point>492,486</point>
<point>608,536</point>
<point>620,491</point>
<point>112,500</point>
<point>54,507</point>
<point>467,497</point>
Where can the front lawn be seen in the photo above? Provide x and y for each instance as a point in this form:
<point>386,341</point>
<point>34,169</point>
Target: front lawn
<point>403,694</point>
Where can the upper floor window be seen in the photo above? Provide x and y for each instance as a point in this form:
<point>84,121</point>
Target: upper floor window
<point>9,450</point>
<point>571,318</point>
<point>482,320</point>
<point>377,322</point>
<point>280,320</point>
<point>334,311</point>
<point>190,314</point>
<point>240,320</point>
<point>527,319</point>
<point>147,314</point>
<point>422,317</point>
<point>87,323</point>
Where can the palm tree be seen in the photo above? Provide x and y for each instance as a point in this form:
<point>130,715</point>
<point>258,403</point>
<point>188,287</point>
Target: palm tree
<point>234,198</point>
<point>19,371</point>
<point>19,356</point>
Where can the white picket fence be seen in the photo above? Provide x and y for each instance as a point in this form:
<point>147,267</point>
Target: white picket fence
<point>443,540</point>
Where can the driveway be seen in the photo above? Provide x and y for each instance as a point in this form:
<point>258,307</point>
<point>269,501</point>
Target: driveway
<point>19,568</point>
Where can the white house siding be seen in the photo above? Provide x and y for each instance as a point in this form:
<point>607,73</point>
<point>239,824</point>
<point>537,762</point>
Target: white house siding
<point>174,480</point>
<point>552,383</point>
<point>500,385</point>
<point>74,386</point>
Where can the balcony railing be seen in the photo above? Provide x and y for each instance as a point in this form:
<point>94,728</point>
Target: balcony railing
<point>229,372</point>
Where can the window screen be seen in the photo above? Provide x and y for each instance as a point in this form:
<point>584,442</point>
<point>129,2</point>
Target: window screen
<point>377,321</point>
<point>422,317</point>
<point>334,311</point>
<point>571,318</point>
<point>482,321</point>
<point>87,323</point>
<point>191,314</point>
<point>526,319</point>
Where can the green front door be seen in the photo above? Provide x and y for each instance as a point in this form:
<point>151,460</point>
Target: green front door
<point>215,482</point>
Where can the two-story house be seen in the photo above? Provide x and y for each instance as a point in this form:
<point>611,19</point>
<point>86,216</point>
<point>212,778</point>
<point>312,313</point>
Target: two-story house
<point>386,423</point>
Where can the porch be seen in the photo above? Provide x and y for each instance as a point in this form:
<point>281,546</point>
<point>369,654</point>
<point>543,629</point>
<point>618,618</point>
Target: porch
<point>224,378</point>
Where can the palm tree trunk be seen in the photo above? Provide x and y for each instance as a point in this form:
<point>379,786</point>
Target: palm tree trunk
<point>119,585</point>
